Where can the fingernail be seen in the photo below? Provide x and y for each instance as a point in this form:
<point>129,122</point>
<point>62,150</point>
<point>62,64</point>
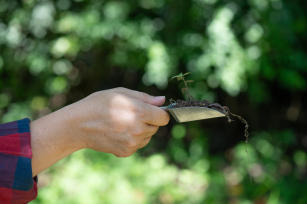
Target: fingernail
<point>159,98</point>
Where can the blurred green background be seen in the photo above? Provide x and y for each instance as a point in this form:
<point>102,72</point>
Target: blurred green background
<point>249,55</point>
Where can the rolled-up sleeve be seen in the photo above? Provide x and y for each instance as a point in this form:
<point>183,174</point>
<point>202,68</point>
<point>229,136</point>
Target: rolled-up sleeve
<point>16,182</point>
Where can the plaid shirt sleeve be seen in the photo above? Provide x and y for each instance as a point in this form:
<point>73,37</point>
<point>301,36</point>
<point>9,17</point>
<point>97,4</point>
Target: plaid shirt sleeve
<point>16,182</point>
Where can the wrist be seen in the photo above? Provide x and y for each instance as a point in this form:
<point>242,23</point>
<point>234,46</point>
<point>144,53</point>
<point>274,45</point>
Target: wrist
<point>67,123</point>
<point>52,138</point>
<point>81,125</point>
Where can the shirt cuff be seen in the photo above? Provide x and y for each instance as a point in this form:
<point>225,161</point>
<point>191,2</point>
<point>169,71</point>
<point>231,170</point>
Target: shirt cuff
<point>17,184</point>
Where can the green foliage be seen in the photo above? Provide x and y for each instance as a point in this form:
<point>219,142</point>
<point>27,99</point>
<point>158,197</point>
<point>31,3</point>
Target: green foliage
<point>248,55</point>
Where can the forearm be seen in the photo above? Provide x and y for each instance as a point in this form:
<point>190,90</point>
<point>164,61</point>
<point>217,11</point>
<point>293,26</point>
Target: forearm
<point>52,138</point>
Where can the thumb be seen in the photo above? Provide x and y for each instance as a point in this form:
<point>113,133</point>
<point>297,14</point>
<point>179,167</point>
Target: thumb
<point>157,100</point>
<point>153,100</point>
<point>146,98</point>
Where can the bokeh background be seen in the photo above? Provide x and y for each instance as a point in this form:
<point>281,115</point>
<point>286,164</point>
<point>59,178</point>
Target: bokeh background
<point>249,55</point>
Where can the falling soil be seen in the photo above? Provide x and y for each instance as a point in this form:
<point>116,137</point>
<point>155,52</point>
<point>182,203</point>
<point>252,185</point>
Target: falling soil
<point>204,103</point>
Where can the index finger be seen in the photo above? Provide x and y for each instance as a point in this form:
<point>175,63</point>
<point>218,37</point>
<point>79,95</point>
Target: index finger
<point>154,115</point>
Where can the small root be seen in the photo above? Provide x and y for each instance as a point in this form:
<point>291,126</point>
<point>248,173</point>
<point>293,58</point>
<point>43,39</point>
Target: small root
<point>240,118</point>
<point>172,101</point>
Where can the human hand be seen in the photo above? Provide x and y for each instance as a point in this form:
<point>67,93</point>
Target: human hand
<point>118,121</point>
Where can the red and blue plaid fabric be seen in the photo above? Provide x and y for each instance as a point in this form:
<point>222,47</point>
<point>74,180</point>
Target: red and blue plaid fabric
<point>16,182</point>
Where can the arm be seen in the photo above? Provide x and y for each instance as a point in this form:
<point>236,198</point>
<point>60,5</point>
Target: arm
<point>117,121</point>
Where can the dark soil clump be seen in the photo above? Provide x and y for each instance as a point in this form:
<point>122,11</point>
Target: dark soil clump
<point>223,109</point>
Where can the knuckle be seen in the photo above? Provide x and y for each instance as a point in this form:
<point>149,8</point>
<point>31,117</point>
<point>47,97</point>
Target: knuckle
<point>119,127</point>
<point>151,134</point>
<point>131,144</point>
<point>117,154</point>
<point>125,154</point>
<point>138,132</point>
<point>121,155</point>
<point>95,94</point>
<point>134,109</point>
<point>141,113</point>
<point>146,142</point>
<point>120,89</point>
<point>144,95</point>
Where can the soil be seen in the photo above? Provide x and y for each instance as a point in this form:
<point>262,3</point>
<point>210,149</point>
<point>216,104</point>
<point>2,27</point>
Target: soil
<point>215,106</point>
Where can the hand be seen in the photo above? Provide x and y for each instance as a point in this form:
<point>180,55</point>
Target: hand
<point>118,121</point>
